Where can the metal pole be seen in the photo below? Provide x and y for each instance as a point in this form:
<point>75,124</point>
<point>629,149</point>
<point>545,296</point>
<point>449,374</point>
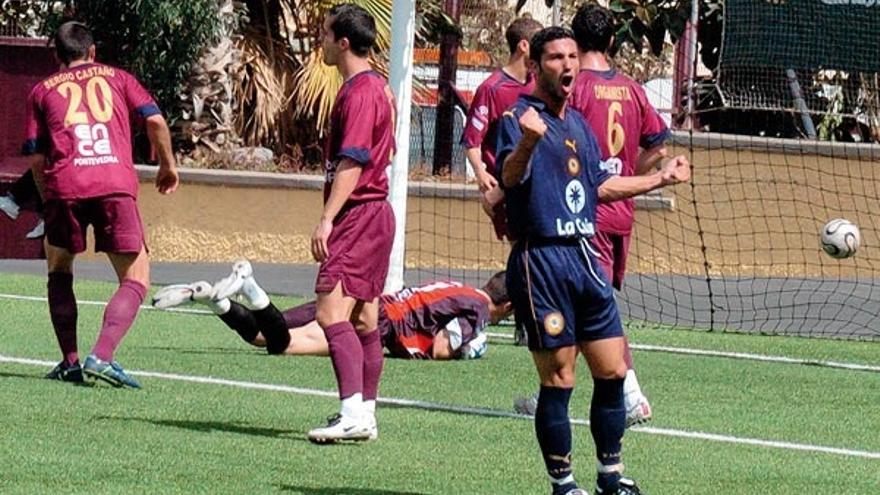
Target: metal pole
<point>692,73</point>
<point>403,28</point>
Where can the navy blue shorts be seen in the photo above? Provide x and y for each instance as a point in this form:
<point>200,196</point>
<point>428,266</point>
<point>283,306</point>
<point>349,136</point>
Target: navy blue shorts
<point>560,294</point>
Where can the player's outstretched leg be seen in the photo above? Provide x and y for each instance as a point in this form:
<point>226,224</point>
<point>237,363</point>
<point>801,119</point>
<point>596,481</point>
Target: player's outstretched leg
<point>179,294</point>
<point>269,319</point>
<point>242,271</point>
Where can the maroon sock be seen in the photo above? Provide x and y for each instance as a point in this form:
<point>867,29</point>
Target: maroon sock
<point>373,359</point>
<point>301,315</point>
<point>118,317</point>
<point>63,311</point>
<point>627,353</point>
<point>347,356</point>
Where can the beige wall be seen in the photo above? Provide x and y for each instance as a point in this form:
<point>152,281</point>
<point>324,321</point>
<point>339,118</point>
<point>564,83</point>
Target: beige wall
<point>759,213</point>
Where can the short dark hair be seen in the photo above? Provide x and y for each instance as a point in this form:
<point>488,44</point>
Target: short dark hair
<point>496,287</point>
<point>521,29</point>
<point>353,22</point>
<point>544,36</point>
<point>593,27</point>
<point>72,41</point>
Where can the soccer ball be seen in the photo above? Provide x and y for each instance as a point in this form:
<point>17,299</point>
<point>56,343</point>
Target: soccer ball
<point>840,238</point>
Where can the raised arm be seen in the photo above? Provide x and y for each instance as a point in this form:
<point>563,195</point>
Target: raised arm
<point>674,171</point>
<point>516,163</point>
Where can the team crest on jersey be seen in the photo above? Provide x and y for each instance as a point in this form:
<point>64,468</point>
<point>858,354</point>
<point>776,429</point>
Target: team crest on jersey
<point>554,323</point>
<point>575,196</point>
<point>574,166</point>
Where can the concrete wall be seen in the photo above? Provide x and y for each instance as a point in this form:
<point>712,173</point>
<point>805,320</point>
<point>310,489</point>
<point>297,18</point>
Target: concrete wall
<point>757,211</point>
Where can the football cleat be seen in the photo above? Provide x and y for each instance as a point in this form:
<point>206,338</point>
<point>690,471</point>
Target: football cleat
<point>9,206</point>
<point>344,429</point>
<point>639,412</point>
<point>38,231</point>
<point>175,295</point>
<point>577,491</point>
<point>110,372</point>
<point>232,284</point>
<point>66,372</point>
<point>526,405</point>
<point>625,487</point>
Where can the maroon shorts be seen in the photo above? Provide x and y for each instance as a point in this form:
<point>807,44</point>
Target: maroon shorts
<point>115,220</point>
<point>613,249</point>
<point>359,251</point>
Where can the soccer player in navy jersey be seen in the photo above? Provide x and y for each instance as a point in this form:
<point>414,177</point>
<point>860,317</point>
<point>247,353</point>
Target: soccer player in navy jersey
<point>632,139</point>
<point>353,238</point>
<point>79,137</point>
<point>549,168</point>
<point>498,92</point>
<point>441,320</point>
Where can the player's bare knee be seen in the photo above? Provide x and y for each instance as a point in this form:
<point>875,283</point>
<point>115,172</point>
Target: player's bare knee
<point>611,372</point>
<point>561,378</point>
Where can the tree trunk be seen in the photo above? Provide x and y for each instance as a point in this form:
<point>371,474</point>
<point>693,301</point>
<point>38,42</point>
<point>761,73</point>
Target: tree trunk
<point>445,126</point>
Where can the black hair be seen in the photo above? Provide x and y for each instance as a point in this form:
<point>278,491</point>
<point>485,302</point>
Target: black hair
<point>72,41</point>
<point>544,36</point>
<point>521,29</point>
<point>496,287</point>
<point>353,22</point>
<point>593,27</point>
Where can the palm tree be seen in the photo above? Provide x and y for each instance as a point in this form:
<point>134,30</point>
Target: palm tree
<point>207,98</point>
<point>316,84</point>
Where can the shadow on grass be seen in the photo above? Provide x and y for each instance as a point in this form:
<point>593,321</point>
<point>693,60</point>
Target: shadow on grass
<point>308,490</point>
<point>215,426</point>
<point>41,378</point>
<point>204,350</point>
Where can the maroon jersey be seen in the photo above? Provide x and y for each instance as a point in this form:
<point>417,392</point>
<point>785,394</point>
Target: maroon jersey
<point>495,95</point>
<point>410,318</point>
<point>362,129</point>
<point>617,110</point>
<point>80,119</point>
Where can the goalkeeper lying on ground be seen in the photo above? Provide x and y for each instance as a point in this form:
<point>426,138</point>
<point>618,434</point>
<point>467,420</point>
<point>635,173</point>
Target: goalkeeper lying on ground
<point>441,320</point>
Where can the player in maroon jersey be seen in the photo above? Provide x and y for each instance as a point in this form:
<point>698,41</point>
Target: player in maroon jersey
<point>498,92</point>
<point>440,320</point>
<point>632,139</point>
<point>354,236</point>
<point>79,137</point>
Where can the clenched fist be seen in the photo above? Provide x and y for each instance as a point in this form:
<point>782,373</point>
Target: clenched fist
<point>676,170</point>
<point>532,124</point>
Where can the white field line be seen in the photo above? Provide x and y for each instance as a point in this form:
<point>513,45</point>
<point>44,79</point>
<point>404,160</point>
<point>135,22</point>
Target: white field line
<point>639,347</point>
<point>736,355</point>
<point>477,411</point>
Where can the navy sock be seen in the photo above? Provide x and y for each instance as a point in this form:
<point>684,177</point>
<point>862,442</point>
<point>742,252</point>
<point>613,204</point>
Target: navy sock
<point>273,328</point>
<point>553,429</point>
<point>241,319</point>
<point>607,423</point>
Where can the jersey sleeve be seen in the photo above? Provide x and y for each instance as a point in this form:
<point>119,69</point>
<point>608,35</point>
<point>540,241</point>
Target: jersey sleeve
<point>36,138</point>
<point>509,135</point>
<point>654,131</point>
<point>139,99</point>
<point>358,116</point>
<point>477,124</point>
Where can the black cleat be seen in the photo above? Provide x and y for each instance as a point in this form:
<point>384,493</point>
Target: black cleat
<point>625,487</point>
<point>66,372</point>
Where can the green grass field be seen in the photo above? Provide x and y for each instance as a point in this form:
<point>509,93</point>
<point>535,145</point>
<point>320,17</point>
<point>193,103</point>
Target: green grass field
<point>181,437</point>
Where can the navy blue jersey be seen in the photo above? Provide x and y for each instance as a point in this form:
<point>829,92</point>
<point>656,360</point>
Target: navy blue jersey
<point>558,193</point>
